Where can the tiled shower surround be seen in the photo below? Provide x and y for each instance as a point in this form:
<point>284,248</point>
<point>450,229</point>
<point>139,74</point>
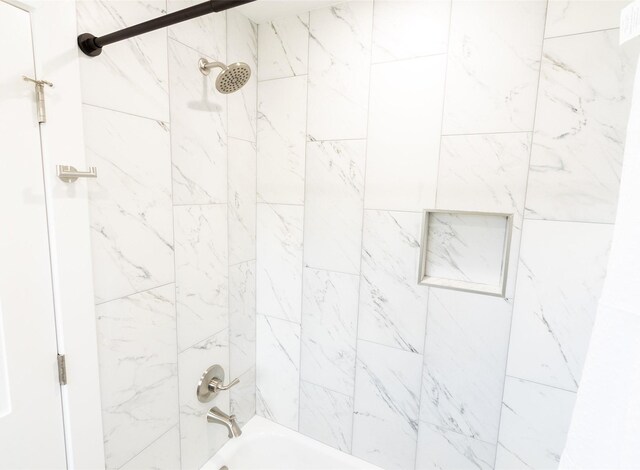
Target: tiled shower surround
<point>362,115</point>
<point>173,229</point>
<point>369,113</point>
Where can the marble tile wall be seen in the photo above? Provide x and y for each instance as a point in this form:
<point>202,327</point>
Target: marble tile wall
<point>173,220</point>
<point>370,112</point>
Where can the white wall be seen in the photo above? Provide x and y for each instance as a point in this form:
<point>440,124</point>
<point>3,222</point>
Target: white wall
<point>605,429</point>
<point>369,112</point>
<point>172,222</point>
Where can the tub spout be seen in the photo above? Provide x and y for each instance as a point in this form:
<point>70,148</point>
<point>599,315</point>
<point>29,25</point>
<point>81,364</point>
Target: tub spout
<point>216,415</point>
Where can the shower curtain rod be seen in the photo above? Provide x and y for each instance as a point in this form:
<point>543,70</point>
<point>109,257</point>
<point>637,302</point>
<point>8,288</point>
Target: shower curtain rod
<point>92,46</point>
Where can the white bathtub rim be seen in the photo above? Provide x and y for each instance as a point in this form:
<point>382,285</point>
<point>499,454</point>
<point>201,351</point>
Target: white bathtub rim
<point>259,426</point>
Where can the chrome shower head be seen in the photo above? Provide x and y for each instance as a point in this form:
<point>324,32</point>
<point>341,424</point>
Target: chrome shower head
<point>232,77</point>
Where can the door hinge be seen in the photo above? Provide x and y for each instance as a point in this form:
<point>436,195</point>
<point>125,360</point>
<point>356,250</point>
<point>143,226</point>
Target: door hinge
<point>62,369</point>
<point>42,111</point>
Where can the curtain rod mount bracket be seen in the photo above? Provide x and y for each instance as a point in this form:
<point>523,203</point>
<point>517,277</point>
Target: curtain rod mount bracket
<point>87,45</point>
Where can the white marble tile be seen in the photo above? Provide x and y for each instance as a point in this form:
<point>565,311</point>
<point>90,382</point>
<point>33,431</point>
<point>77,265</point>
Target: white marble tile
<point>282,115</point>
<point>560,277</point>
<point>163,454</point>
<point>201,272</point>
<point>585,90</point>
<point>242,38</point>
<point>198,131</point>
<point>393,307</point>
<point>464,364</point>
<point>329,329</point>
<point>334,202</point>
<point>484,172</point>
<point>278,370</point>
<point>339,57</point>
<point>206,34</point>
<point>242,317</point>
<point>534,425</point>
<point>242,201</point>
<point>279,261</point>
<point>284,47</point>
<point>326,416</point>
<point>242,397</point>
<point>387,396</point>
<point>130,75</point>
<point>487,173</point>
<point>404,29</point>
<point>494,60</point>
<point>131,226</point>
<point>138,368</point>
<point>442,449</point>
<point>466,247</point>
<point>581,16</point>
<point>199,440</point>
<point>405,114</point>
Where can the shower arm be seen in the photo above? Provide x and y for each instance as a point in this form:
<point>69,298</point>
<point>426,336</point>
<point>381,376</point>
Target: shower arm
<point>92,46</point>
<point>205,66</point>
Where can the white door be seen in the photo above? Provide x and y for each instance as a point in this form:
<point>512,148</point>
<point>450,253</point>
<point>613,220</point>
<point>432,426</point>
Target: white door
<point>31,426</point>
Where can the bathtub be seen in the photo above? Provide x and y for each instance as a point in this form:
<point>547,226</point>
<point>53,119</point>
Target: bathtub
<point>267,445</point>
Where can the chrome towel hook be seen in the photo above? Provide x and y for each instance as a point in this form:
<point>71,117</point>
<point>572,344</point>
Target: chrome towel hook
<point>69,174</point>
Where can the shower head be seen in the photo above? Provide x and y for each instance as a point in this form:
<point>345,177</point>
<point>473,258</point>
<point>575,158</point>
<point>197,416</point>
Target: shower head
<point>231,78</point>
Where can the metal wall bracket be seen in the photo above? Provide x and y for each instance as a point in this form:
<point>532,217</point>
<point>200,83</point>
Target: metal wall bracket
<point>69,174</point>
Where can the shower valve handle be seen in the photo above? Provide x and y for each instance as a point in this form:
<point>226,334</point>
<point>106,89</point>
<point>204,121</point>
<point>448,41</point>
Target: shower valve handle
<point>212,382</point>
<point>216,385</point>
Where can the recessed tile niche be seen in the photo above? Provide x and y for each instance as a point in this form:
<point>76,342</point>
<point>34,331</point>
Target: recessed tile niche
<point>466,251</point>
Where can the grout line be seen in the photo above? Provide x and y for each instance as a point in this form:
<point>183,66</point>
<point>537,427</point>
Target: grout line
<point>247,261</point>
<point>206,56</point>
<point>451,430</point>
<point>567,221</point>
<point>464,134</point>
<point>314,268</point>
<point>240,138</point>
<point>255,235</point>
<point>189,204</point>
<point>279,204</point>
<point>515,279</point>
<point>364,196</point>
<point>175,425</point>
<point>324,387</point>
<point>442,114</point>
<point>203,340</point>
<point>304,214</point>
<point>541,384</point>
<point>284,78</point>
<point>173,231</point>
<point>390,347</point>
<point>416,211</point>
<point>135,293</point>
<point>310,141</point>
<point>580,33</point>
<point>435,203</point>
<point>132,114</point>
